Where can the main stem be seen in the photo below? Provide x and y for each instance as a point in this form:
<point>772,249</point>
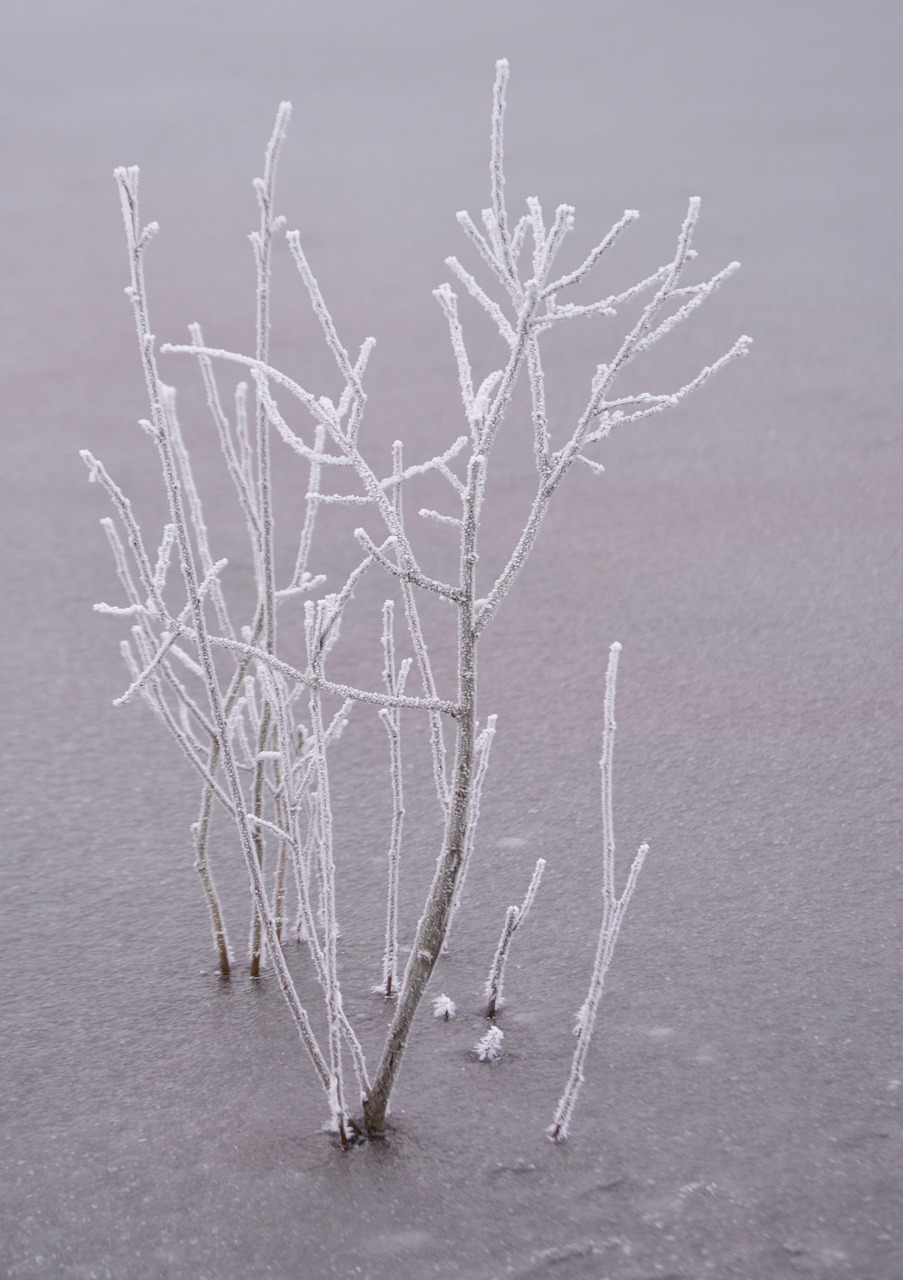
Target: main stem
<point>434,922</point>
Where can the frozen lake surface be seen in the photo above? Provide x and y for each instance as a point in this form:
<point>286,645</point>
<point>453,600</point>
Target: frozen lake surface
<point>742,1115</point>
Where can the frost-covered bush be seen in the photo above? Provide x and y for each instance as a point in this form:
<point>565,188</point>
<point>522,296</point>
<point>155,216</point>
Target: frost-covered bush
<point>256,715</point>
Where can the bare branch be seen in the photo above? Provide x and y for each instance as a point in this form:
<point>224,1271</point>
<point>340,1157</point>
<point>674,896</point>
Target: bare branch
<point>574,277</point>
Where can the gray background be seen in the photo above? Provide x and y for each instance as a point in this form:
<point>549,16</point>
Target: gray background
<point>742,1112</point>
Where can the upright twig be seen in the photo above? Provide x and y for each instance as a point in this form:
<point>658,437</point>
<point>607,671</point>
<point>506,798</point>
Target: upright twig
<point>514,918</point>
<point>613,911</point>
<point>391,717</point>
<point>137,239</point>
<point>261,241</point>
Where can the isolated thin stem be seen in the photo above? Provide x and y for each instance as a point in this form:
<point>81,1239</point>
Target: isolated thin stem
<point>613,911</point>
<point>514,918</point>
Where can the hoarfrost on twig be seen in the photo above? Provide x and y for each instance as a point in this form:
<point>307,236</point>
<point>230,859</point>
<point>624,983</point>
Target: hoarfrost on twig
<point>259,730</point>
<point>514,918</point>
<point>613,910</point>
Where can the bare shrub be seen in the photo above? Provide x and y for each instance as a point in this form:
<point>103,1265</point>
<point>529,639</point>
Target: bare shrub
<point>254,717</point>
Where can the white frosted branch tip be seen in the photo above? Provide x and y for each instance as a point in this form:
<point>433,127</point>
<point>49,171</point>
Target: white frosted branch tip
<point>429,514</point>
<point>121,611</point>
<point>148,234</point>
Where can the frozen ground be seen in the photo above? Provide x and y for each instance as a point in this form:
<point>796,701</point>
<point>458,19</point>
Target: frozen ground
<point>742,1116</point>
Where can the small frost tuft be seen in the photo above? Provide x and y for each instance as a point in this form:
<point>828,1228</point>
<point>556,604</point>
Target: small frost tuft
<point>490,1047</point>
<point>443,1007</point>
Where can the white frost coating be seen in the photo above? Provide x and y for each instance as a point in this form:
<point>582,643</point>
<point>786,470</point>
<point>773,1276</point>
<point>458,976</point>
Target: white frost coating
<point>514,918</point>
<point>256,721</point>
<point>613,910</point>
<point>444,1007</point>
<point>394,678</point>
<point>490,1047</point>
<point>128,188</point>
<point>482,749</point>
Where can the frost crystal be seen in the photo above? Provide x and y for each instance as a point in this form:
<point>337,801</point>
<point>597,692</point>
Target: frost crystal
<point>443,1007</point>
<point>489,1048</point>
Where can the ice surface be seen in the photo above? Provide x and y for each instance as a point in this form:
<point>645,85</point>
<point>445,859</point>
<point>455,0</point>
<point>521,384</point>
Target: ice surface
<point>155,1120</point>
